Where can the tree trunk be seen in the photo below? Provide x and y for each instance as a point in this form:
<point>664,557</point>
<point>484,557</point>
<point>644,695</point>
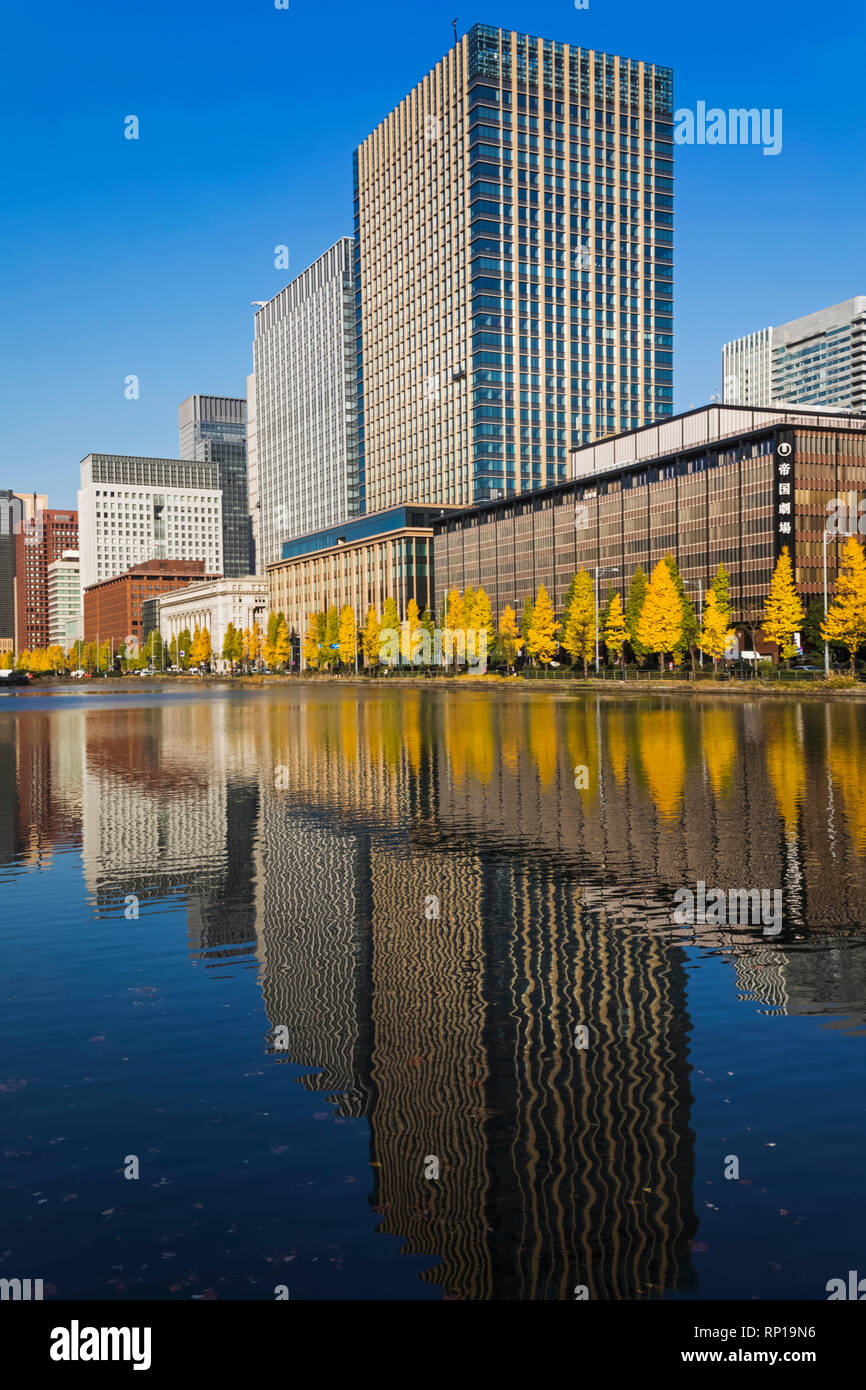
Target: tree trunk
<point>661,663</point>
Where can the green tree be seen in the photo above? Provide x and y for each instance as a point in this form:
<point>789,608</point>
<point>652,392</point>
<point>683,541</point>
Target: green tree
<point>690,629</point>
<point>184,649</point>
<point>153,650</point>
<point>633,608</point>
<point>232,646</point>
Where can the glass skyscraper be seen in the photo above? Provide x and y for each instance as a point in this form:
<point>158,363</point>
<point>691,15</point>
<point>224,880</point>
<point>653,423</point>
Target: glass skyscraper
<point>213,429</point>
<point>305,473</point>
<point>513,268</point>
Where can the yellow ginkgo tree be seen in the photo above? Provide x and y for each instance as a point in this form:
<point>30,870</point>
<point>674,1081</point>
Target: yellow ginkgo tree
<point>660,625</point>
<point>542,640</point>
<point>846,617</point>
<point>783,611</point>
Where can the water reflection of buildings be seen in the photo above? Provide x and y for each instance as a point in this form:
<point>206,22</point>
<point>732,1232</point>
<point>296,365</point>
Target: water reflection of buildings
<point>455,1035</point>
<point>169,810</point>
<point>559,1165</point>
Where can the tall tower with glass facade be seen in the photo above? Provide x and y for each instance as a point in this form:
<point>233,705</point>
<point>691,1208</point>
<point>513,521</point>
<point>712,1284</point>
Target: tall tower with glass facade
<point>213,429</point>
<point>513,268</point>
<point>305,464</point>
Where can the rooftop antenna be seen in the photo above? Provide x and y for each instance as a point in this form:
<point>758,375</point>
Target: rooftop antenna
<point>454,27</point>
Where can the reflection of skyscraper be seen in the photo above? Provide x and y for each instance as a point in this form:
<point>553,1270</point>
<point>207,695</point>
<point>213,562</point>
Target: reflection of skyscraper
<point>480,971</point>
<point>169,810</point>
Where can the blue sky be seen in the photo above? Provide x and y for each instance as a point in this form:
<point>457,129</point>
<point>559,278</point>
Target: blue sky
<point>122,257</point>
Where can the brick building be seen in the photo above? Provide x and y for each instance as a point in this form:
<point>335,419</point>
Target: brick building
<point>112,608</point>
<point>42,537</point>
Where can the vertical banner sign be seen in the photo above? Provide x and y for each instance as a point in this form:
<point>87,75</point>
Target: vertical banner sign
<point>783,493</point>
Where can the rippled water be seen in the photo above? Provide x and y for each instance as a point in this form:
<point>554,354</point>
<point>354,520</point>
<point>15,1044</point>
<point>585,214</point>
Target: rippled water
<point>293,950</point>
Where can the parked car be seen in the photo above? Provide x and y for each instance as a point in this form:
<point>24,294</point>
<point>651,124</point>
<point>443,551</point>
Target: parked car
<point>15,677</point>
<point>79,674</point>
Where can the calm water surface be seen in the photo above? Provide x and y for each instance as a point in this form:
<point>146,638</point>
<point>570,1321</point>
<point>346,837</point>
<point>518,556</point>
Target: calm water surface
<point>294,949</point>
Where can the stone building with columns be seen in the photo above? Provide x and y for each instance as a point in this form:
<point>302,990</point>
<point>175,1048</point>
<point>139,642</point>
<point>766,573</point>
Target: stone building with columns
<point>242,601</point>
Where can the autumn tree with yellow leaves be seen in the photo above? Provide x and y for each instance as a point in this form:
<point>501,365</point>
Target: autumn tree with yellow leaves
<point>542,641</point>
<point>509,632</point>
<point>615,633</point>
<point>783,611</point>
<point>846,617</point>
<point>579,635</point>
<point>715,636</point>
<point>348,637</point>
<point>370,638</point>
<point>660,625</point>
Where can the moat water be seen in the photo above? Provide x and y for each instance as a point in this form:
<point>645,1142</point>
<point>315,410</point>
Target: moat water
<point>386,994</point>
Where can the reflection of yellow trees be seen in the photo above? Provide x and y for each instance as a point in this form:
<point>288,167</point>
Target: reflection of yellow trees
<point>785,764</point>
<point>581,732</point>
<point>349,730</point>
<point>390,712</point>
<point>617,744</point>
<point>479,729</point>
<point>455,742</point>
<point>542,739</point>
<point>719,734</point>
<point>470,739</point>
<point>846,759</point>
<point>509,737</point>
<point>663,755</point>
<point>373,731</point>
<point>412,729</point>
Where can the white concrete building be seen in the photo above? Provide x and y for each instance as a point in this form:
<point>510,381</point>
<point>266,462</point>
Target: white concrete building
<point>136,509</point>
<point>818,360</point>
<point>64,600</point>
<point>213,605</point>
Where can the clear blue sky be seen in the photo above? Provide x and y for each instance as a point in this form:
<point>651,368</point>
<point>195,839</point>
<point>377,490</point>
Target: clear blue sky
<point>142,257</point>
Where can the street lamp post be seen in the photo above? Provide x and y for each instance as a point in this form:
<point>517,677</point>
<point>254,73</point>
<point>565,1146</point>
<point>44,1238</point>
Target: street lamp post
<point>598,569</point>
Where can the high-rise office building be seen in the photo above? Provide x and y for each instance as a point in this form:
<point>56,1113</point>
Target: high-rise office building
<point>213,430</point>
<point>64,600</point>
<point>137,509</point>
<point>819,360</point>
<point>11,515</point>
<point>514,268</point>
<point>306,404</point>
<point>253,478</point>
<point>42,537</point>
